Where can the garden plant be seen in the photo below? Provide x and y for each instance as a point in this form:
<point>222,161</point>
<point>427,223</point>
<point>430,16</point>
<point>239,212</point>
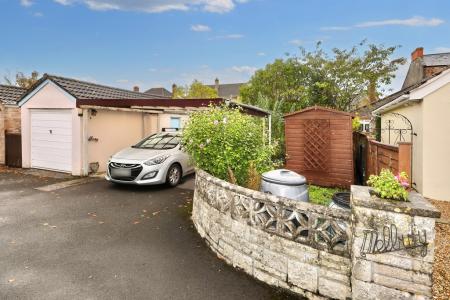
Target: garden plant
<point>228,144</point>
<point>388,186</point>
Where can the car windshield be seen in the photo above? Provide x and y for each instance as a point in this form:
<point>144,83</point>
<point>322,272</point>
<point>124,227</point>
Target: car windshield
<point>160,141</point>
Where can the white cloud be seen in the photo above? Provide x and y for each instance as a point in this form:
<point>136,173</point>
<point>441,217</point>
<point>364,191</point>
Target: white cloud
<point>244,69</point>
<point>417,21</point>
<point>261,54</point>
<point>335,28</point>
<point>157,6</point>
<point>200,28</point>
<point>38,14</point>
<point>64,2</point>
<point>26,3</point>
<point>233,36</point>
<point>441,49</point>
<point>414,21</point>
<point>296,42</point>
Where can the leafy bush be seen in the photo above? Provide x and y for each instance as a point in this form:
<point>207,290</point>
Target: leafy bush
<point>356,123</point>
<point>225,142</point>
<point>389,186</point>
<point>322,195</point>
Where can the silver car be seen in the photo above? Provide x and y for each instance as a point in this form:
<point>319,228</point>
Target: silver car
<point>157,159</point>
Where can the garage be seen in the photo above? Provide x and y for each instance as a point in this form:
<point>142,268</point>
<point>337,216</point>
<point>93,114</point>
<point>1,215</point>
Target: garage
<point>51,139</point>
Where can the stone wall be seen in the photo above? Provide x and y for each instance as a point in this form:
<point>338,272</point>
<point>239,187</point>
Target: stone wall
<point>404,274</point>
<point>294,245</point>
<point>312,250</point>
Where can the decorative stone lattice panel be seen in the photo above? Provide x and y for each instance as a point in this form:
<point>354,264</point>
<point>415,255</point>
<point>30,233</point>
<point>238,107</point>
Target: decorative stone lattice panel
<point>309,226</point>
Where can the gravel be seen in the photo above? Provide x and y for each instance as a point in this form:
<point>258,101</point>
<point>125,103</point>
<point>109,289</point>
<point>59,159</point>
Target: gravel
<point>441,271</point>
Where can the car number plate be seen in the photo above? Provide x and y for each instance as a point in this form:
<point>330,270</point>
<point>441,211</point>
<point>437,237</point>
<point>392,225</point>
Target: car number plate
<point>121,172</point>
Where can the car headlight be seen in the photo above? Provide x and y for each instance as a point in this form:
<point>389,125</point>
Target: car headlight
<point>157,160</point>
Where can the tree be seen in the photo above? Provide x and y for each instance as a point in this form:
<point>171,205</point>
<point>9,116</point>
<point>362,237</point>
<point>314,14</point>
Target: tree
<point>339,81</point>
<point>22,80</point>
<point>196,90</point>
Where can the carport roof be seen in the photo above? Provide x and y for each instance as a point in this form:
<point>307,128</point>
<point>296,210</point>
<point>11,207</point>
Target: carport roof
<point>170,103</point>
<point>10,94</point>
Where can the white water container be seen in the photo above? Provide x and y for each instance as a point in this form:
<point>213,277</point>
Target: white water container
<point>285,183</point>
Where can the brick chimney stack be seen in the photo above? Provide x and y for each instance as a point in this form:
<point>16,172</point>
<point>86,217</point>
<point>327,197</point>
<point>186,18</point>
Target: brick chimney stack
<point>135,88</point>
<point>418,53</point>
<point>216,84</point>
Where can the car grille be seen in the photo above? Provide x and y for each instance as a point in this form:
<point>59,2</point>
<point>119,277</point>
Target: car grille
<point>125,166</point>
<point>136,169</point>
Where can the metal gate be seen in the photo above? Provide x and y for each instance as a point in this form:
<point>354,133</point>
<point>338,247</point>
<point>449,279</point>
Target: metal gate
<point>13,151</point>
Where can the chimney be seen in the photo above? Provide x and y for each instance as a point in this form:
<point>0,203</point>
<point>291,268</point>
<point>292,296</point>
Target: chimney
<point>136,88</point>
<point>418,53</point>
<point>216,84</point>
<point>174,87</point>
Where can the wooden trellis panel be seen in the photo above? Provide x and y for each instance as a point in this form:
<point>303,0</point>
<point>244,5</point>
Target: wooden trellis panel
<point>317,137</point>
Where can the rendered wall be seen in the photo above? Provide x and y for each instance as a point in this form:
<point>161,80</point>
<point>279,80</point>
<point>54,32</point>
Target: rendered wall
<point>436,144</point>
<point>112,131</point>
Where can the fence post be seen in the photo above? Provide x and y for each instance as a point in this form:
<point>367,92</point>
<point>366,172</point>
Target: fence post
<point>404,158</point>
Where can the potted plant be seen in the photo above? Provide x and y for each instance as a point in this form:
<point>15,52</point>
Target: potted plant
<point>389,186</point>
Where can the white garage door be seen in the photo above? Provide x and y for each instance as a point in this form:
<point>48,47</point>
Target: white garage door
<point>51,139</point>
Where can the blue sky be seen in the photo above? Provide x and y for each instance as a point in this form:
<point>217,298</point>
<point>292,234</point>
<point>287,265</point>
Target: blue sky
<point>157,42</point>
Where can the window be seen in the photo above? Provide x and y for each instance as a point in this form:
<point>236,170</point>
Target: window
<point>160,141</point>
<point>365,125</point>
<point>175,122</point>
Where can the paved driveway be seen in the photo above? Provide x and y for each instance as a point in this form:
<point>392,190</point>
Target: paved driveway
<point>99,241</point>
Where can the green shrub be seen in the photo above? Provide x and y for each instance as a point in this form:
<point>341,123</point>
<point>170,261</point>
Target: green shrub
<point>389,186</point>
<point>322,195</point>
<point>221,139</point>
<point>356,123</point>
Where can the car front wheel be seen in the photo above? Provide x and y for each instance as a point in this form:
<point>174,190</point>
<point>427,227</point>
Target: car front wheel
<point>173,175</point>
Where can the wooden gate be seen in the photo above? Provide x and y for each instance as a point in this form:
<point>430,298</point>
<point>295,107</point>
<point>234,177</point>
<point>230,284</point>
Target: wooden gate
<point>13,145</point>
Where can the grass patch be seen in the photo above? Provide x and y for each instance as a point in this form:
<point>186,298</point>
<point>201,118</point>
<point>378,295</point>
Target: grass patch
<point>322,195</point>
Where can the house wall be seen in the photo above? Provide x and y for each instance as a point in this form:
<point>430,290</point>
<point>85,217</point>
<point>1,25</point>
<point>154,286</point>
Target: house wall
<point>50,96</point>
<point>414,114</point>
<point>112,131</point>
<point>436,142</point>
<point>12,119</point>
<point>2,134</point>
<point>9,123</point>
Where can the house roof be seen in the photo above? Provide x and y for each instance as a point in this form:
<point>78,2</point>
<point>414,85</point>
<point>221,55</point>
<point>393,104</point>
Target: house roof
<point>10,94</point>
<point>228,89</point>
<point>316,107</point>
<point>438,59</point>
<point>158,91</point>
<point>87,90</point>
<point>369,108</point>
<point>416,93</point>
